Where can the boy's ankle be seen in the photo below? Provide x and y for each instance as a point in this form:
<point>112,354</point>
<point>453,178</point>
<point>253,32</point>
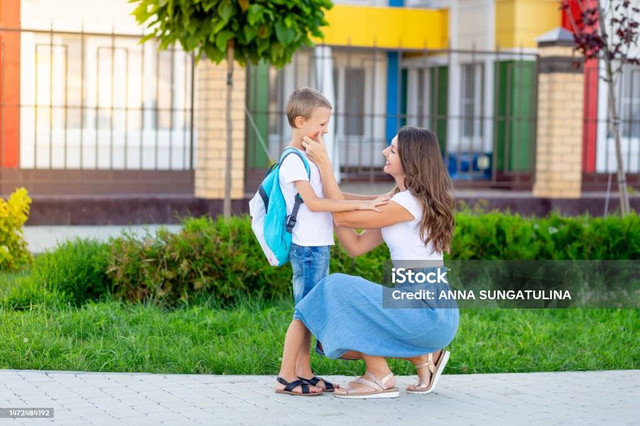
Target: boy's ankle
<point>303,370</point>
<point>305,374</point>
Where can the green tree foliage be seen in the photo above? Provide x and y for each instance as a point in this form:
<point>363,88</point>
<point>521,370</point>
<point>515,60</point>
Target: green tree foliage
<point>256,30</point>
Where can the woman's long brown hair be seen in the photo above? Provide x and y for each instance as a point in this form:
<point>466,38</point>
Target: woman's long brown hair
<point>427,179</point>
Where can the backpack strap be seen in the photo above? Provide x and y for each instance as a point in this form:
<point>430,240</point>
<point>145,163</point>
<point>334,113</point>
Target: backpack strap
<point>292,218</point>
<point>291,150</point>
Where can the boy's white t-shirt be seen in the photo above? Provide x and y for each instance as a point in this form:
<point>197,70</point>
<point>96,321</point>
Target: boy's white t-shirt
<point>312,228</point>
<point>403,239</point>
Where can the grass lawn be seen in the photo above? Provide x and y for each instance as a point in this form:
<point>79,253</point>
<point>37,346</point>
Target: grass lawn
<point>112,336</point>
<point>8,280</point>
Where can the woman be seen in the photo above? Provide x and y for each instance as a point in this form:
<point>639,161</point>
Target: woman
<point>346,313</point>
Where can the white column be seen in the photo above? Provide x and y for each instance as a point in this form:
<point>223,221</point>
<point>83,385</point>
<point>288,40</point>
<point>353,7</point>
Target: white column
<point>455,83</point>
<point>324,83</point>
<point>488,77</point>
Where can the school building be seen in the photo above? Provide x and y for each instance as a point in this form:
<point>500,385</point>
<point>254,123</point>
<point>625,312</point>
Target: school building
<point>102,129</point>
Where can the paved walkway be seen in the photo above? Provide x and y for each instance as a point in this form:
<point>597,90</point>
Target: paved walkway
<point>580,398</point>
<point>41,238</point>
<point>77,398</point>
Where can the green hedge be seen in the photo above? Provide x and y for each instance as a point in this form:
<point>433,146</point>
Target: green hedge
<point>219,258</point>
<point>222,261</point>
<point>512,237</point>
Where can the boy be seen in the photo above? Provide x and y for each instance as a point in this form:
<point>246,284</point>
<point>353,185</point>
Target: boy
<point>308,113</point>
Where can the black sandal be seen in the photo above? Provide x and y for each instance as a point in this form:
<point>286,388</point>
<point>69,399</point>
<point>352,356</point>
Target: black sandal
<point>289,386</point>
<point>314,382</point>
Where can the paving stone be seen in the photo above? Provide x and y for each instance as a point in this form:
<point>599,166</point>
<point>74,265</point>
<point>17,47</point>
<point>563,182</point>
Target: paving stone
<point>120,398</point>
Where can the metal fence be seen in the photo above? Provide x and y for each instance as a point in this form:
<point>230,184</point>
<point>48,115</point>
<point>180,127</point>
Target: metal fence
<point>102,110</point>
<point>481,104</point>
<point>599,158</point>
<point>97,103</point>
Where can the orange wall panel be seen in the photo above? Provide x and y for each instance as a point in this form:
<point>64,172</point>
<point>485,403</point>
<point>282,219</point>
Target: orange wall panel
<point>9,83</point>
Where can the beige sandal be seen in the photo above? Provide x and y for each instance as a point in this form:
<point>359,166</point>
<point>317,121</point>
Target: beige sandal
<point>436,370</point>
<point>379,386</point>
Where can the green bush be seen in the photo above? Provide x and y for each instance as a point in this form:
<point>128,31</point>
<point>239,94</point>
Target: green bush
<point>496,235</point>
<point>13,214</point>
<point>75,270</point>
<point>218,258</point>
<point>222,260</point>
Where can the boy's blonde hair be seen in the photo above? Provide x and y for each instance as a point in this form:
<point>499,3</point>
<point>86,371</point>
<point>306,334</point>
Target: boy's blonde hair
<point>303,102</point>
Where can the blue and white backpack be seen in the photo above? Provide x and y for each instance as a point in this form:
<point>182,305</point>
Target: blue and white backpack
<point>268,209</point>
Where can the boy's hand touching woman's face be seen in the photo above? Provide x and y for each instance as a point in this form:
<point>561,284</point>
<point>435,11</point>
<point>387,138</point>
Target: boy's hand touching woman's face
<point>315,149</point>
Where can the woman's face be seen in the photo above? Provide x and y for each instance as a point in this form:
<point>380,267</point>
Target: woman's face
<point>393,166</point>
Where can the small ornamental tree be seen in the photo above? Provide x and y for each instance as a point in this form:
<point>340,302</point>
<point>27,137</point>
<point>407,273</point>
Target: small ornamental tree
<point>608,30</point>
<point>245,30</point>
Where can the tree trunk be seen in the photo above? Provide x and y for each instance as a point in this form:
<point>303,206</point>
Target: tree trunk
<point>226,207</point>
<point>614,122</point>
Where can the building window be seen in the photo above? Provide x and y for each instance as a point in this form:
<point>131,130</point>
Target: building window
<point>276,101</point>
<point>421,101</point>
<point>630,102</point>
<point>471,103</point>
<point>354,102</point>
<point>98,83</point>
<point>164,91</point>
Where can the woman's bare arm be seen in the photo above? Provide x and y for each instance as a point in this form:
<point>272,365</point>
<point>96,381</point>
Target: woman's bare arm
<point>389,214</point>
<point>356,243</point>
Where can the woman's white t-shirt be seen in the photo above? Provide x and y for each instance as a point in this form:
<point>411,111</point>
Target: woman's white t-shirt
<point>403,239</point>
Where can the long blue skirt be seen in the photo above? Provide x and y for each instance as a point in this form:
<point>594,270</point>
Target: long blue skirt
<point>346,313</point>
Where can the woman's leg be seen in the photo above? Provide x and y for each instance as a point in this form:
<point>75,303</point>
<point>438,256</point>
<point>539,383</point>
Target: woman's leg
<point>293,342</point>
<point>351,355</point>
<point>379,367</point>
<point>426,368</point>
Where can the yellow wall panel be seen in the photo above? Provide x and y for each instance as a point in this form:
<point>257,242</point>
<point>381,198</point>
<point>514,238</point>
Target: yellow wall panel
<point>386,27</point>
<point>520,22</point>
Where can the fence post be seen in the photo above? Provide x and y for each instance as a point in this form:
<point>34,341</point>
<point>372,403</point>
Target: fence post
<point>558,172</point>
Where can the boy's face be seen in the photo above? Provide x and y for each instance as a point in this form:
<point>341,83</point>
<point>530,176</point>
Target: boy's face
<point>317,123</point>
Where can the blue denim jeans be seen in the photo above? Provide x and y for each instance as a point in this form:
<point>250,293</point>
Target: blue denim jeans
<point>310,265</point>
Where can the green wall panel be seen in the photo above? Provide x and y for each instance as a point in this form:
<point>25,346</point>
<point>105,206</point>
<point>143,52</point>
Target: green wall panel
<point>439,103</point>
<point>257,103</point>
<point>515,122</point>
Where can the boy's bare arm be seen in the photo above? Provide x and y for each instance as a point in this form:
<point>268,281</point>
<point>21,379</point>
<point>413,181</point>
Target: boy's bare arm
<point>316,204</point>
<point>349,196</point>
